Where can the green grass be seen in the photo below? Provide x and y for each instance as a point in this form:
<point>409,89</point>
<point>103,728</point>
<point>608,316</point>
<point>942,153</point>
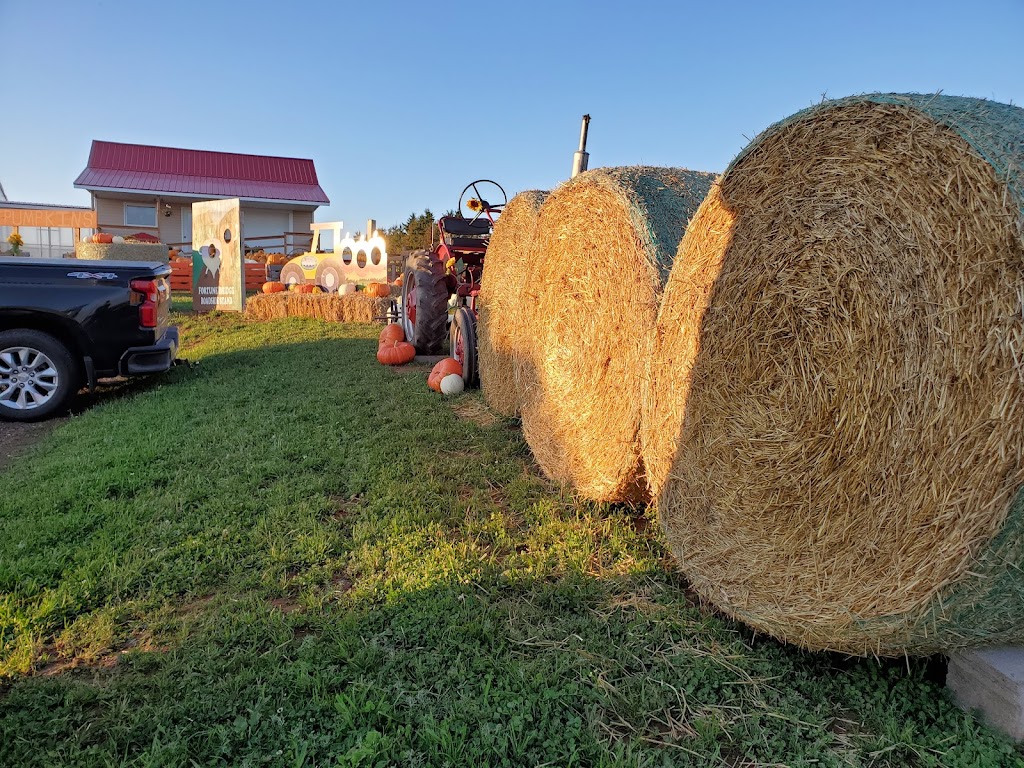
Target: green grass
<point>290,555</point>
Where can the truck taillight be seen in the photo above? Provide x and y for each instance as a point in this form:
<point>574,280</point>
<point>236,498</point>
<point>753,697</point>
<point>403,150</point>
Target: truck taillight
<point>145,295</point>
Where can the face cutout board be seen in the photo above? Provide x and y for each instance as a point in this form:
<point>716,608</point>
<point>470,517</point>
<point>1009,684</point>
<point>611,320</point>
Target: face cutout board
<point>218,272</point>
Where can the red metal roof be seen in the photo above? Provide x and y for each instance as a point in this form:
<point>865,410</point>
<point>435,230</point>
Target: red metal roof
<point>200,173</point>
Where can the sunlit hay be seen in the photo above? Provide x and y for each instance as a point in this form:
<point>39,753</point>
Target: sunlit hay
<point>604,244</point>
<point>835,418</point>
<point>505,321</point>
<point>331,307</point>
<point>156,252</point>
<point>675,347</point>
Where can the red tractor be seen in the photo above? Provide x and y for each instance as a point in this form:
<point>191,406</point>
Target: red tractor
<point>449,276</point>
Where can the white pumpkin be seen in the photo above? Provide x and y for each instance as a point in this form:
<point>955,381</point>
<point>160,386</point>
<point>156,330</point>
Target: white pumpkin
<point>346,288</point>
<point>452,384</point>
<point>118,240</point>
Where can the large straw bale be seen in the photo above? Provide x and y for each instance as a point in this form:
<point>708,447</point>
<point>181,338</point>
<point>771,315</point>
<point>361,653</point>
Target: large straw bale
<point>504,317</point>
<point>604,245</point>
<point>332,307</point>
<point>835,416</point>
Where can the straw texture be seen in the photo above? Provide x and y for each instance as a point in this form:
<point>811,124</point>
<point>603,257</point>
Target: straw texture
<point>504,317</point>
<point>332,307</point>
<point>604,241</point>
<point>835,416</point>
<point>122,252</point>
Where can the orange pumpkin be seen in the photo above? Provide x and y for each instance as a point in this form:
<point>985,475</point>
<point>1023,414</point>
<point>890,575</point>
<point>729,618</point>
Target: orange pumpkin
<point>443,368</point>
<point>398,281</point>
<point>172,254</point>
<point>305,288</point>
<point>395,353</point>
<point>392,332</point>
<point>378,290</point>
<point>103,237</point>
<point>273,287</point>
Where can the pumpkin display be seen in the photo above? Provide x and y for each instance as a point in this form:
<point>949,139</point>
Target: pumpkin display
<point>445,367</point>
<point>391,332</point>
<point>452,384</point>
<point>103,237</point>
<point>395,353</point>
<point>378,290</point>
<point>273,287</point>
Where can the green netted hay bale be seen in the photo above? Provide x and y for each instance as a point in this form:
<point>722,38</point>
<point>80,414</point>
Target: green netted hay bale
<point>504,315</point>
<point>604,244</point>
<point>835,416</point>
<point>122,252</point>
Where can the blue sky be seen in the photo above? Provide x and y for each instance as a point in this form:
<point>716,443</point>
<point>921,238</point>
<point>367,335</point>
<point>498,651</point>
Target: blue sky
<point>400,104</point>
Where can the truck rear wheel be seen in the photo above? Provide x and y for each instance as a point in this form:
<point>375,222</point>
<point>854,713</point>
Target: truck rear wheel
<point>424,302</point>
<point>38,375</point>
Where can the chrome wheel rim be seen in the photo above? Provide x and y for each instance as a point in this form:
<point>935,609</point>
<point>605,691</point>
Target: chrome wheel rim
<point>28,378</point>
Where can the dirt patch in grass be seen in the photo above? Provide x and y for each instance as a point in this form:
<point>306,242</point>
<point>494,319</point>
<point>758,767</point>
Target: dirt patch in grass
<point>345,506</point>
<point>17,437</point>
<point>286,605</point>
<point>475,411</point>
<point>422,369</point>
<point>107,660</point>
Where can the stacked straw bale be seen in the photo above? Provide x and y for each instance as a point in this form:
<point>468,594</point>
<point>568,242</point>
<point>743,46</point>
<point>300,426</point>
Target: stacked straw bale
<point>331,307</point>
<point>504,317</point>
<point>604,246</point>
<point>835,419</point>
<point>122,252</point>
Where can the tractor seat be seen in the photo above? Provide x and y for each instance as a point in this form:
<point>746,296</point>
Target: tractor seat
<point>452,225</point>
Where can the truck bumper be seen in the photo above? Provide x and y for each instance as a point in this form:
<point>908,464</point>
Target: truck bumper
<point>154,359</point>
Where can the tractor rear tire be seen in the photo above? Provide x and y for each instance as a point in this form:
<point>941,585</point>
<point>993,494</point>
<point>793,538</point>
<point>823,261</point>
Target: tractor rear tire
<point>424,302</point>
<point>463,345</point>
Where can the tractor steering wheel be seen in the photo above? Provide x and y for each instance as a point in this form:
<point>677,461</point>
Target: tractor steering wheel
<point>486,192</point>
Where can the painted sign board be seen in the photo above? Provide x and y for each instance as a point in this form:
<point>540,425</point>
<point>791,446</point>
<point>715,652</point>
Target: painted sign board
<point>218,271</point>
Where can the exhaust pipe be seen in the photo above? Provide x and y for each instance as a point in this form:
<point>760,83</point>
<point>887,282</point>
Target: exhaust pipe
<point>580,157</point>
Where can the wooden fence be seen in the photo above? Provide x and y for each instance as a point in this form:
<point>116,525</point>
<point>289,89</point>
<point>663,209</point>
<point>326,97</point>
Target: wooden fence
<point>181,276</point>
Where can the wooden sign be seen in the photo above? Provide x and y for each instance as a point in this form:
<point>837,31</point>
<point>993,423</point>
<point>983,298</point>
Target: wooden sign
<point>218,272</point>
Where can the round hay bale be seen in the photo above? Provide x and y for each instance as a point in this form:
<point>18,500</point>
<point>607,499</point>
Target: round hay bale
<point>604,245</point>
<point>836,404</point>
<point>504,318</point>
<point>122,252</point>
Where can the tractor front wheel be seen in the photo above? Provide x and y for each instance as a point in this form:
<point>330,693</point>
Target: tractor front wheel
<point>424,302</point>
<point>463,344</point>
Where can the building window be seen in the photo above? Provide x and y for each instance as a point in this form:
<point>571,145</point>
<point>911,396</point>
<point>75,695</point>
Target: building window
<point>48,242</point>
<point>140,215</point>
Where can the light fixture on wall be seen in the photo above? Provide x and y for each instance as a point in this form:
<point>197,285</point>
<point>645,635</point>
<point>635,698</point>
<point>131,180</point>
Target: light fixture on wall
<point>167,209</point>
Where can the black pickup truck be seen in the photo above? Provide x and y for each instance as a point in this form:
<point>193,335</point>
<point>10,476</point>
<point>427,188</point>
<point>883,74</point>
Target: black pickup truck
<point>65,323</point>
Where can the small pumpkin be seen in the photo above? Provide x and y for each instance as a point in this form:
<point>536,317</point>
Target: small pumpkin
<point>172,254</point>
<point>346,288</point>
<point>395,353</point>
<point>378,290</point>
<point>452,384</point>
<point>398,281</point>
<point>103,238</point>
<point>273,287</point>
<point>305,288</point>
<point>391,332</point>
<point>117,240</point>
<point>445,367</point>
